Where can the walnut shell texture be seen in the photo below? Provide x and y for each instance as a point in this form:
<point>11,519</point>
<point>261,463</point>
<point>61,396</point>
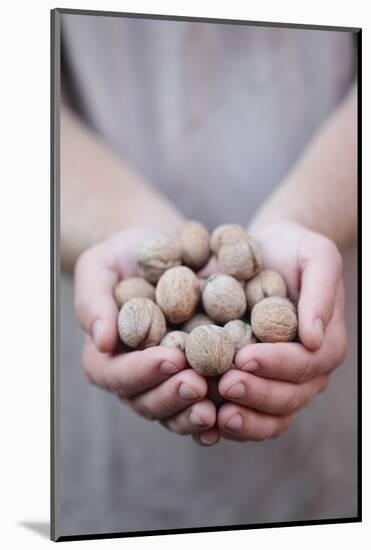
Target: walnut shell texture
<point>240,333</point>
<point>227,233</point>
<point>274,319</point>
<point>134,287</point>
<point>265,284</point>
<point>198,320</point>
<point>193,238</point>
<point>175,339</point>
<point>223,298</point>
<point>209,350</point>
<point>156,256</point>
<point>141,323</point>
<point>178,293</point>
<point>238,259</point>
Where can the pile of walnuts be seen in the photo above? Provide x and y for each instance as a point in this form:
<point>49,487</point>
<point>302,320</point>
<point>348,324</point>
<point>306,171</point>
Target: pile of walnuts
<point>208,319</point>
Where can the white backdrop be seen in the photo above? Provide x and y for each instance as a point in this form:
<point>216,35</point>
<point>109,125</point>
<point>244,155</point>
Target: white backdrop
<point>24,245</point>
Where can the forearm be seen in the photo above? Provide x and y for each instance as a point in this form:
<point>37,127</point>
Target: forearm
<point>320,192</point>
<point>101,194</point>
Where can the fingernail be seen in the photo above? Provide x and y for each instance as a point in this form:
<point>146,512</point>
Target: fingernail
<point>195,419</point>
<point>238,390</point>
<point>318,326</point>
<point>207,439</point>
<point>186,392</point>
<point>97,331</point>
<point>250,366</point>
<point>168,368</point>
<point>234,423</point>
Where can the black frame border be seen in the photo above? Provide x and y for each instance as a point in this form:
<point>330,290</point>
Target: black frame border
<point>55,267</point>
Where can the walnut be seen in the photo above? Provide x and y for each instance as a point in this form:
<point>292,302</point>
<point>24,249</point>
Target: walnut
<point>141,323</point>
<point>193,238</point>
<point>178,293</point>
<point>223,298</point>
<point>241,259</point>
<point>209,350</point>
<point>175,339</point>
<point>156,256</point>
<point>274,320</point>
<point>134,287</point>
<point>227,233</point>
<point>240,333</point>
<point>265,284</point>
<point>198,320</point>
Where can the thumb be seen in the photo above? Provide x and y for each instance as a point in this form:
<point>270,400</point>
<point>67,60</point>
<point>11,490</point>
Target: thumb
<point>321,274</point>
<point>95,306</point>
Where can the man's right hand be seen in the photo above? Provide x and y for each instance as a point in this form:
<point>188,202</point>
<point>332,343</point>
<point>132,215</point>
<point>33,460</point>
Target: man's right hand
<point>154,382</point>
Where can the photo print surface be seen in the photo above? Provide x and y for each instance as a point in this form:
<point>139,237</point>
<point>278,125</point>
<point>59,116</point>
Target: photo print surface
<point>166,129</point>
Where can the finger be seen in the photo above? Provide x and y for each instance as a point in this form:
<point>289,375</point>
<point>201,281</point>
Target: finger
<point>292,362</point>
<point>208,438</point>
<point>131,373</point>
<point>197,418</point>
<point>170,397</point>
<point>210,268</point>
<point>94,303</point>
<point>241,424</point>
<point>321,272</point>
<point>269,396</point>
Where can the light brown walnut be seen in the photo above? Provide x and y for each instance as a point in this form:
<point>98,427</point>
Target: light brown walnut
<point>193,238</point>
<point>141,323</point>
<point>274,320</point>
<point>198,320</point>
<point>156,256</point>
<point>227,233</point>
<point>223,298</point>
<point>265,284</point>
<point>241,259</point>
<point>134,287</point>
<point>240,333</point>
<point>209,350</point>
<point>178,293</point>
<point>175,339</point>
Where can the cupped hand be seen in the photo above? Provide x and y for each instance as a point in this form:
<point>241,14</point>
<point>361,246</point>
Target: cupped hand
<point>153,382</point>
<point>272,382</point>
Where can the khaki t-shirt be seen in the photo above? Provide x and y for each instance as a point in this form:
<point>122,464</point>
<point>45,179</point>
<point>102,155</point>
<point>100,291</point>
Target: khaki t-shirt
<point>214,116</point>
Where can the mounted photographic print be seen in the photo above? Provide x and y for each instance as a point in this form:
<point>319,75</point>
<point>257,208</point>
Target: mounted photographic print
<point>205,307</point>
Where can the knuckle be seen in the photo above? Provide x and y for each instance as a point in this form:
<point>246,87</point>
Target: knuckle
<point>282,425</point>
<point>262,396</point>
<point>253,429</point>
<point>112,383</point>
<point>174,426</point>
<point>82,307</point>
<point>179,429</point>
<point>293,402</point>
<point>324,384</point>
<point>280,358</point>
<point>305,371</point>
<point>330,250</point>
<point>145,411</point>
<point>87,368</point>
